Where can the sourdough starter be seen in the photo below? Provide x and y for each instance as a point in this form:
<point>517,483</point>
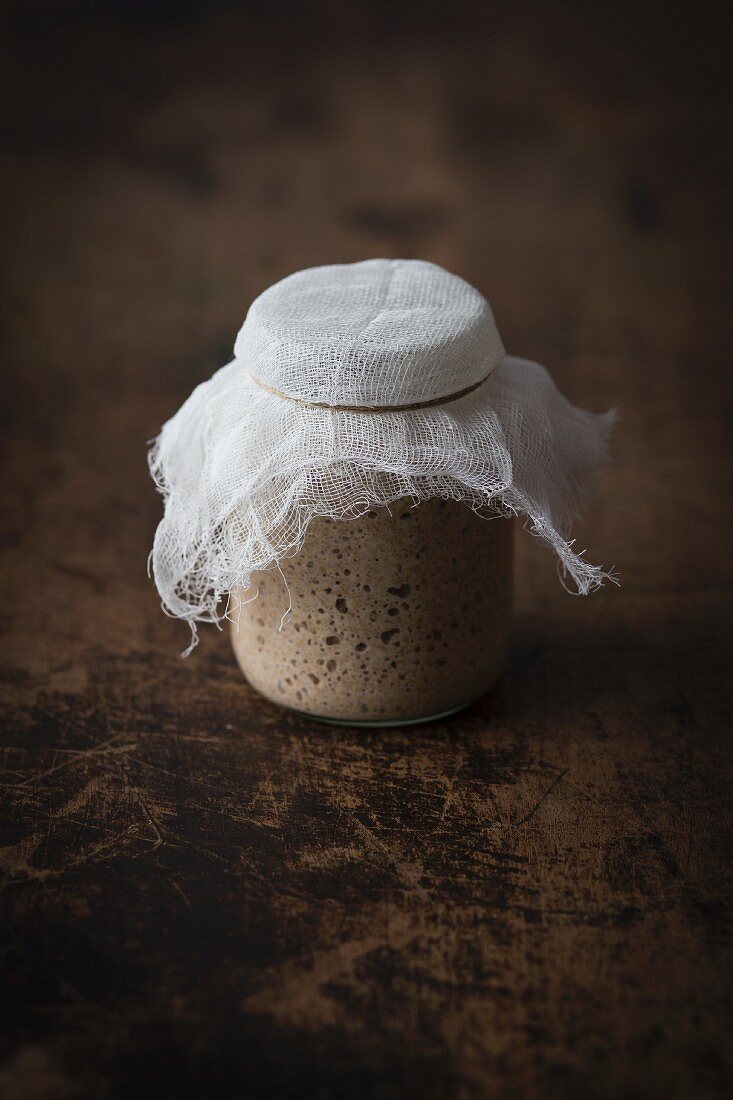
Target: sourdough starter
<point>395,617</point>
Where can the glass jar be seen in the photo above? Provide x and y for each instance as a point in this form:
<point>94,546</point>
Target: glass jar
<point>399,616</point>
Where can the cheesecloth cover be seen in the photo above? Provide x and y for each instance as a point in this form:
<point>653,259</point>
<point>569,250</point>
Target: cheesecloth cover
<point>354,385</point>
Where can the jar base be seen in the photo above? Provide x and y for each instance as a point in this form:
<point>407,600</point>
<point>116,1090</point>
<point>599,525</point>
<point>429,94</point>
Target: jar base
<point>378,723</point>
<point>386,723</point>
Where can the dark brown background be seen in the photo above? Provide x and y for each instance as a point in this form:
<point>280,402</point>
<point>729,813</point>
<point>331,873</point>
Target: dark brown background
<point>204,896</point>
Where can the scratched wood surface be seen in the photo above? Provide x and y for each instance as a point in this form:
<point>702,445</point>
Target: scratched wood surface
<point>204,896</point>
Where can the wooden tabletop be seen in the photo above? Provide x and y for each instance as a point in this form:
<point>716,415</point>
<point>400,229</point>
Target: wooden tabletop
<point>203,895</point>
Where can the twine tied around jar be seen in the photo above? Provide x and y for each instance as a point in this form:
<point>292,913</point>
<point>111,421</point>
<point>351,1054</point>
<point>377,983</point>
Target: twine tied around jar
<point>431,404</point>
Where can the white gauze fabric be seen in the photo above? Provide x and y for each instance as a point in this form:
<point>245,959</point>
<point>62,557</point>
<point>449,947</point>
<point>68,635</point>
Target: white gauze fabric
<point>302,423</point>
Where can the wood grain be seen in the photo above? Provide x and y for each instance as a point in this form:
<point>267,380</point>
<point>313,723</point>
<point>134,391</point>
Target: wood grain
<point>204,896</point>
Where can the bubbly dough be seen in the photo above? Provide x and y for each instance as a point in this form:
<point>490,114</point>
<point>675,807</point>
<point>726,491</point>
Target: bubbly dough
<point>399,615</point>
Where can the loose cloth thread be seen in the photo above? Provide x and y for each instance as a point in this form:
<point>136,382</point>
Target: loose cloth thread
<point>243,472</point>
